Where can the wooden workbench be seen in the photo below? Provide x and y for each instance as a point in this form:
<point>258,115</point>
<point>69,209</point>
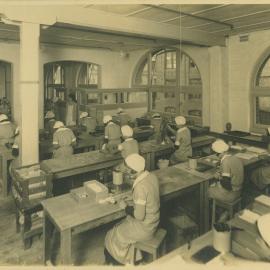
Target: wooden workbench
<point>151,151</point>
<point>70,218</point>
<point>80,163</point>
<point>253,140</point>
<point>5,158</point>
<point>84,143</point>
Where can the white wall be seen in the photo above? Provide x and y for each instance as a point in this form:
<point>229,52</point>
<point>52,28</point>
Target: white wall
<point>243,57</point>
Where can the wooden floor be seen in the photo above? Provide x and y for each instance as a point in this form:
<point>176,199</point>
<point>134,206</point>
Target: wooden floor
<point>87,247</point>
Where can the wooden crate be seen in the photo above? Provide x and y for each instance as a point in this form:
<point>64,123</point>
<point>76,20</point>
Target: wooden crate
<point>33,188</point>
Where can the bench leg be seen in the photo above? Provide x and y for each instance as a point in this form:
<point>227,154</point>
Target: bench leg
<point>213,213</point>
<point>155,255</point>
<point>27,242</point>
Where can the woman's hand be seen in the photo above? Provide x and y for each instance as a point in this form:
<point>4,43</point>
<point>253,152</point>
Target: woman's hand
<point>122,204</point>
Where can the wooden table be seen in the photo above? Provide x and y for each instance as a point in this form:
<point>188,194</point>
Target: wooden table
<point>84,143</point>
<point>5,157</point>
<point>71,218</point>
<point>80,163</point>
<point>151,150</point>
<point>249,139</point>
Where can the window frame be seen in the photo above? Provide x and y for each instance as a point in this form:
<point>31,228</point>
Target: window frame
<point>178,89</point>
<point>258,91</point>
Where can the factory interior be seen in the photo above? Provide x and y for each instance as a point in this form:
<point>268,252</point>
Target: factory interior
<point>134,134</point>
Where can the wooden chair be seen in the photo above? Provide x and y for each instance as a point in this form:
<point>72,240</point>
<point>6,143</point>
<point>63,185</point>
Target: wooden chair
<point>230,206</point>
<point>155,246</point>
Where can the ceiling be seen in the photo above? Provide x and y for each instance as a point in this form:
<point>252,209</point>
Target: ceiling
<point>218,19</point>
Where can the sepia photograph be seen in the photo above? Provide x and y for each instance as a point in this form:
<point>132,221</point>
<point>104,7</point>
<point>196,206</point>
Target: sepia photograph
<point>134,134</point>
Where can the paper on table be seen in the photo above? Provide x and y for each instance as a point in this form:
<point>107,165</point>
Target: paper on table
<point>263,199</point>
<point>249,216</point>
<point>94,187</point>
<point>246,155</point>
<point>256,150</point>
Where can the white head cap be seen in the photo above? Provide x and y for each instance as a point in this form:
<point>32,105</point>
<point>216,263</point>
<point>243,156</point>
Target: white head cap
<point>58,124</point>
<point>49,114</point>
<point>135,162</point>
<point>180,120</point>
<point>119,110</point>
<point>127,131</point>
<point>219,146</point>
<point>156,115</point>
<point>3,117</point>
<point>106,119</point>
<point>83,114</point>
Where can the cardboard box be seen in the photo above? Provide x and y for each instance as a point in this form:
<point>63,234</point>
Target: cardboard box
<point>96,190</point>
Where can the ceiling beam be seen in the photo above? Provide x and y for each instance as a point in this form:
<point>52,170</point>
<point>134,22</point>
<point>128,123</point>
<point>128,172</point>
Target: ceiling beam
<point>137,11</point>
<point>196,12</point>
<point>108,22</point>
<point>232,18</point>
<point>191,15</point>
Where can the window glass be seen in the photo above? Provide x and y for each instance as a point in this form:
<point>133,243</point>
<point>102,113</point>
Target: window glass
<point>263,110</point>
<point>263,78</point>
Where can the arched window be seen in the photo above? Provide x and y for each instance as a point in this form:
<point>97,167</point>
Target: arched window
<point>174,81</point>
<point>62,78</point>
<point>261,96</point>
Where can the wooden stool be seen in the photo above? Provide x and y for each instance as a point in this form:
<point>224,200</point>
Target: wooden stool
<point>230,206</point>
<point>152,246</point>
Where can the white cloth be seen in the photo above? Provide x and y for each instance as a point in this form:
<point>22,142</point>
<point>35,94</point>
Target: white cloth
<point>135,162</point>
<point>180,120</point>
<point>83,114</point>
<point>107,118</point>
<point>120,110</point>
<point>219,146</point>
<point>127,131</point>
<point>58,124</point>
<point>3,117</point>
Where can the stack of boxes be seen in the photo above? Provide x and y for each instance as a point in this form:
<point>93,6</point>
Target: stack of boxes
<point>30,186</point>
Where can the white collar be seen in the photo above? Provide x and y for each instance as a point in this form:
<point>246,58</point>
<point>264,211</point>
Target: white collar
<point>61,129</point>
<point>110,123</point>
<point>140,178</point>
<point>181,129</point>
<point>225,156</point>
<point>128,139</point>
<point>4,123</point>
<point>51,119</point>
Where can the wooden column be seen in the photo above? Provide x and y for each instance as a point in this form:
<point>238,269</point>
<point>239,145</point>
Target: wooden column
<point>29,92</point>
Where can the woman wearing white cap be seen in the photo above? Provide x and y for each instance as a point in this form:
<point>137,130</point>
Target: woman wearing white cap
<point>127,147</point>
<point>142,219</point>
<point>49,122</point>
<point>260,177</point>
<point>88,122</point>
<point>63,141</point>
<point>231,175</point>
<point>182,141</point>
<point>112,134</point>
<point>7,130</point>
